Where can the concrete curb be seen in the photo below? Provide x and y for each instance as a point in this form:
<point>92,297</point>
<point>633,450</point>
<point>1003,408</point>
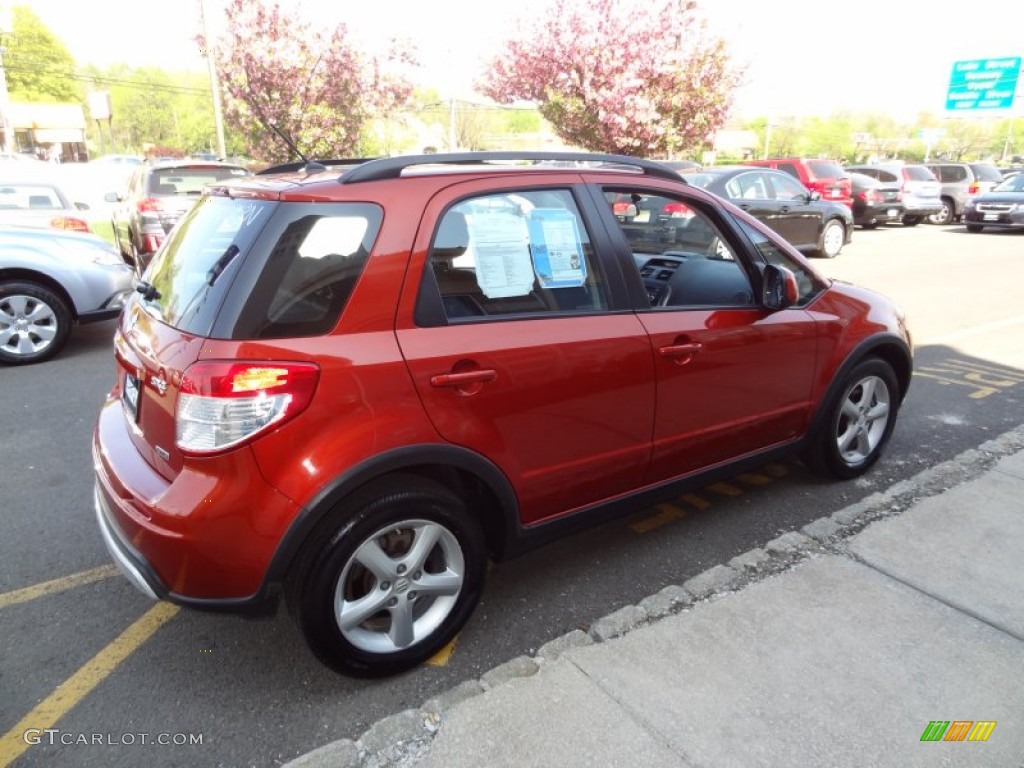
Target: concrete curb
<point>405,738</point>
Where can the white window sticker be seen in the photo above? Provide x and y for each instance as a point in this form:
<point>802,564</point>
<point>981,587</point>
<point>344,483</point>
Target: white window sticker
<point>501,244</point>
<point>557,250</point>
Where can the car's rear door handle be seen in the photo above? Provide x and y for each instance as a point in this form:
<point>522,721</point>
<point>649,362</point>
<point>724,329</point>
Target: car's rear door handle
<point>681,353</point>
<point>463,378</point>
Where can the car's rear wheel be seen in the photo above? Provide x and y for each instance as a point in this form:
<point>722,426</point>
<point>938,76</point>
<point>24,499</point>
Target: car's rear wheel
<point>390,578</point>
<point>911,221</point>
<point>974,227</point>
<point>857,421</point>
<point>34,323</point>
<point>833,236</point>
<point>945,216</point>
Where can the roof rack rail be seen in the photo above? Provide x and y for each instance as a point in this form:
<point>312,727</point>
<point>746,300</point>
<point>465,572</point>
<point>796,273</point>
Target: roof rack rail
<point>313,166</point>
<point>392,167</point>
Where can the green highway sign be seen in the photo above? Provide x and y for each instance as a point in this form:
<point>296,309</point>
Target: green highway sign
<point>983,84</point>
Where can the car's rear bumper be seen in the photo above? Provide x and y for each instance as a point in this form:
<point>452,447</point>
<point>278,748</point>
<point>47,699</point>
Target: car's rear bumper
<point>194,540</point>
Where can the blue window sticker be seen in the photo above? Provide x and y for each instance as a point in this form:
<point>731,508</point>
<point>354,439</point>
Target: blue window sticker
<point>556,248</point>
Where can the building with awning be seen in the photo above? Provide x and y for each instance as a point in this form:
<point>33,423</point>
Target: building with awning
<point>45,129</point>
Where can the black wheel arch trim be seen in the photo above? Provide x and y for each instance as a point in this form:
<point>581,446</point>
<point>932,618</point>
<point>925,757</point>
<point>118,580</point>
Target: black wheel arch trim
<point>399,459</point>
<point>887,346</point>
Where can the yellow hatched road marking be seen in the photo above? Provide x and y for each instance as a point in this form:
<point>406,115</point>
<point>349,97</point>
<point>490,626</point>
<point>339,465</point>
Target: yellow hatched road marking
<point>442,657</point>
<point>695,501</point>
<point>79,685</point>
<point>753,479</point>
<point>725,489</point>
<point>666,514</point>
<point>775,470</point>
<point>57,585</point>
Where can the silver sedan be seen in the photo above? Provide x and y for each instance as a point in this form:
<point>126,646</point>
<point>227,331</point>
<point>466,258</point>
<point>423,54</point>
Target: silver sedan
<point>50,280</point>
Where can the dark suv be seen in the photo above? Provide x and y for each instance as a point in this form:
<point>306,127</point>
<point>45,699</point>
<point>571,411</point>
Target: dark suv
<point>155,198</point>
<point>353,387</point>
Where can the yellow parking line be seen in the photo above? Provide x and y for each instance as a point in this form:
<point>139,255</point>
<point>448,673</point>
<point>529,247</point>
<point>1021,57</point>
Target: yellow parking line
<point>666,514</point>
<point>775,470</point>
<point>79,685</point>
<point>57,585</point>
<point>753,479</point>
<point>442,657</point>
<point>695,501</point>
<point>725,489</point>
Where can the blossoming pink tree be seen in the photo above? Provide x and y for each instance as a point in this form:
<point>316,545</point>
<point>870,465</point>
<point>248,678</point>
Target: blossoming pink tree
<point>619,76</point>
<point>290,85</point>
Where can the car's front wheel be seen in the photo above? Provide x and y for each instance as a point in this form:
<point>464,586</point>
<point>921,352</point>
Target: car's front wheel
<point>34,323</point>
<point>857,421</point>
<point>833,236</point>
<point>390,578</point>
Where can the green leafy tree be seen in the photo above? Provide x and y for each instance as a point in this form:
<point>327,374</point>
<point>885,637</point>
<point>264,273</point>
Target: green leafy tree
<point>38,65</point>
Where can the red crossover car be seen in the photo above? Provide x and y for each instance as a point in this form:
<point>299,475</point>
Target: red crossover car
<point>351,388</point>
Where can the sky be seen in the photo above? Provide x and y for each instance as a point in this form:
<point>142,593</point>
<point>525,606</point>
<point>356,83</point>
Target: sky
<point>801,57</point>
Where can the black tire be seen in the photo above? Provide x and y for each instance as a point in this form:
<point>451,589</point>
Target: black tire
<point>946,215</point>
<point>870,386</point>
<point>911,221</point>
<point>974,227</point>
<point>832,239</point>
<point>35,323</point>
<point>383,520</point>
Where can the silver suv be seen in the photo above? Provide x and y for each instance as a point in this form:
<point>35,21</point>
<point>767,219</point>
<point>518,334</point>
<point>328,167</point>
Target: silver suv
<point>960,182</point>
<point>920,188</point>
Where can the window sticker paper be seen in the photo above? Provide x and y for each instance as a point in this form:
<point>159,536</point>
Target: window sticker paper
<point>557,250</point>
<point>503,265</point>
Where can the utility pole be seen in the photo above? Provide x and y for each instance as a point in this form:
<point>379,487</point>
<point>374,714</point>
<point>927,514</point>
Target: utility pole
<point>210,53</point>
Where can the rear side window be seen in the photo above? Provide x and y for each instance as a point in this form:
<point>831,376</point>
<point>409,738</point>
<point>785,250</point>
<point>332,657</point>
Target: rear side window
<point>986,172</point>
<point>825,169</point>
<point>522,252</point>
<point>255,269</point>
<point>918,173</point>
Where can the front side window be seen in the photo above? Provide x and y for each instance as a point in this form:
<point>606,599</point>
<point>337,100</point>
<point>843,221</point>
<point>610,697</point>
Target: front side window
<point>681,255</point>
<point>786,188</point>
<point>520,252</point>
<point>772,254</point>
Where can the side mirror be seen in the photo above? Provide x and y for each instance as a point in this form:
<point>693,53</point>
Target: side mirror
<point>779,287</point>
<point>813,197</point>
<point>111,197</point>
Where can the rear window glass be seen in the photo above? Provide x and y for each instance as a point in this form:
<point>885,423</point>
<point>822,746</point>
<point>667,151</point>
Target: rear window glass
<point>825,169</point>
<point>23,197</point>
<point>189,181</point>
<point>918,173</point>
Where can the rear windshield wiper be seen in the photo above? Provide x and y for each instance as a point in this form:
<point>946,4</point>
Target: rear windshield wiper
<point>221,264</point>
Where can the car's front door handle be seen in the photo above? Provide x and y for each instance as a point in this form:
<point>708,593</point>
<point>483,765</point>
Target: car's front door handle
<point>463,378</point>
<point>681,353</point>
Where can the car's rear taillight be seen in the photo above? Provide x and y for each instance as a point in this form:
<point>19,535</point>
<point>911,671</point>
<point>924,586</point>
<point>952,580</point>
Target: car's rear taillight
<point>973,188</point>
<point>222,404</point>
<point>71,223</point>
<point>150,204</point>
<point>677,211</point>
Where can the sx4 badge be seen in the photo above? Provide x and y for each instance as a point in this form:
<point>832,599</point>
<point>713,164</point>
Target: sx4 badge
<point>159,383</point>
